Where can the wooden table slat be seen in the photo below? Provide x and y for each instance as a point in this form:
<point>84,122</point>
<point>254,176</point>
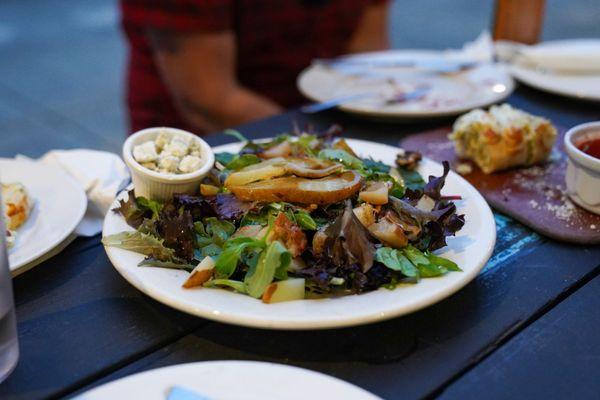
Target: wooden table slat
<point>557,357</point>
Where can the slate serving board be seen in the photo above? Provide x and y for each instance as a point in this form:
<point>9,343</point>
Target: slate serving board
<point>535,196</point>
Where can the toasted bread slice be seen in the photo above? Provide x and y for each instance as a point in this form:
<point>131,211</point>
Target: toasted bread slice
<point>502,138</point>
<point>16,204</point>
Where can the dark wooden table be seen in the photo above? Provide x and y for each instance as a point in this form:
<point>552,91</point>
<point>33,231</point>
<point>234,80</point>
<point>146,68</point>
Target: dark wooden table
<point>526,327</point>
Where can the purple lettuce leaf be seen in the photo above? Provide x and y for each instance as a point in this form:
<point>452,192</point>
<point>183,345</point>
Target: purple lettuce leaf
<point>130,210</point>
<point>348,242</point>
<point>223,205</point>
<point>176,227</point>
<point>433,187</point>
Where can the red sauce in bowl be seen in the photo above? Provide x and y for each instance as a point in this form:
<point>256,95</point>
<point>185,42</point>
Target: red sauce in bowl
<point>590,146</point>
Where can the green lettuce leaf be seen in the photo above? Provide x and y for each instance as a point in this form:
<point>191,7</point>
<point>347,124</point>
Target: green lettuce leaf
<point>443,262</point>
<point>304,141</point>
<point>413,263</point>
<point>199,228</point>
<point>343,157</point>
<point>211,250</point>
<point>236,134</point>
<point>274,258</point>
<point>226,263</point>
<point>376,166</point>
<point>152,205</point>
<point>427,269</point>
<point>136,209</point>
<point>130,210</point>
<point>305,221</point>
<point>225,158</point>
<point>412,179</point>
<point>270,211</point>
<point>235,285</point>
<point>140,243</point>
<point>242,161</point>
<point>396,261</point>
<point>153,262</point>
<point>218,230</point>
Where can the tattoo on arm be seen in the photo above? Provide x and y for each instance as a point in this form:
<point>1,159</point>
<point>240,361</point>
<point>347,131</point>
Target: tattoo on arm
<point>163,40</point>
<point>193,107</point>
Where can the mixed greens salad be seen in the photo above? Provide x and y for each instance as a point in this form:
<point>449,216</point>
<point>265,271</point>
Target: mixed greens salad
<point>298,216</point>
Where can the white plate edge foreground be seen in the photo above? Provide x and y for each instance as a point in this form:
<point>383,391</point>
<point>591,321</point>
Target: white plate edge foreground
<point>162,378</point>
<point>391,115</point>
<point>67,230</point>
<point>487,243</point>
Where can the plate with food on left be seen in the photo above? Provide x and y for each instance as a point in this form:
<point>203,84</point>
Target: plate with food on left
<point>306,230</point>
<point>41,206</point>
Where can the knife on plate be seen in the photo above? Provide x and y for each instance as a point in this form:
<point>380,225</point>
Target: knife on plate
<point>399,97</point>
<point>437,65</point>
<point>181,393</point>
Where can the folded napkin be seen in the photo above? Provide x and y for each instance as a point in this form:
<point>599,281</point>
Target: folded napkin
<point>100,174</point>
<point>567,56</point>
<point>479,50</point>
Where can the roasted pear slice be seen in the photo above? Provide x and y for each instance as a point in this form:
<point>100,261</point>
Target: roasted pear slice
<point>282,149</point>
<point>288,290</point>
<point>343,145</point>
<point>276,167</point>
<point>311,167</point>
<point>292,189</point>
<point>375,193</point>
<point>257,172</point>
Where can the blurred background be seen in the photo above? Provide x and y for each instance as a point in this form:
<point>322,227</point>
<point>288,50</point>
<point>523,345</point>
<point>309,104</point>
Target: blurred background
<point>63,61</point>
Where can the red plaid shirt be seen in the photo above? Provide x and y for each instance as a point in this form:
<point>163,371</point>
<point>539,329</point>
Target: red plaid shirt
<point>276,39</point>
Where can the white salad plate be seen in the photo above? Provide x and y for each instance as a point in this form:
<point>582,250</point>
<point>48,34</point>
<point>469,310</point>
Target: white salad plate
<point>59,204</point>
<point>224,380</point>
<point>470,249</point>
<point>582,85</point>
<point>448,94</point>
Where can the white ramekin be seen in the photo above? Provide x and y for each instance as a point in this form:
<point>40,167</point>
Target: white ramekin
<point>583,170</point>
<point>158,185</point>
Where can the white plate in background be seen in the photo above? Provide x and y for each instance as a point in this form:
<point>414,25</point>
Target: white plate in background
<point>450,94</point>
<point>470,249</point>
<point>579,85</point>
<point>222,380</point>
<point>59,205</point>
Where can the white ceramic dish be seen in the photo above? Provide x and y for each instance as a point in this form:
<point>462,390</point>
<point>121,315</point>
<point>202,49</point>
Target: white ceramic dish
<point>583,170</point>
<point>471,249</point>
<point>582,86</point>
<point>159,185</point>
<point>569,56</point>
<point>448,94</point>
<point>59,206</point>
<point>225,380</point>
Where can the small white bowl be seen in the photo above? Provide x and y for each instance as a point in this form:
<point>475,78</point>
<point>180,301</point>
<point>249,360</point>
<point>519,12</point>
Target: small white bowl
<point>159,185</point>
<point>583,170</point>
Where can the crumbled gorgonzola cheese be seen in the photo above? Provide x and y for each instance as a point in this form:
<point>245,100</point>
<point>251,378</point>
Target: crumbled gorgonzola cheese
<point>168,163</point>
<point>161,140</point>
<point>169,153</point>
<point>145,152</point>
<point>190,164</point>
<point>177,148</point>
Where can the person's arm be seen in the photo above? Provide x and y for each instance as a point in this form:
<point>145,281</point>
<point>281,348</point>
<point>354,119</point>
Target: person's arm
<point>372,32</point>
<point>199,71</point>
